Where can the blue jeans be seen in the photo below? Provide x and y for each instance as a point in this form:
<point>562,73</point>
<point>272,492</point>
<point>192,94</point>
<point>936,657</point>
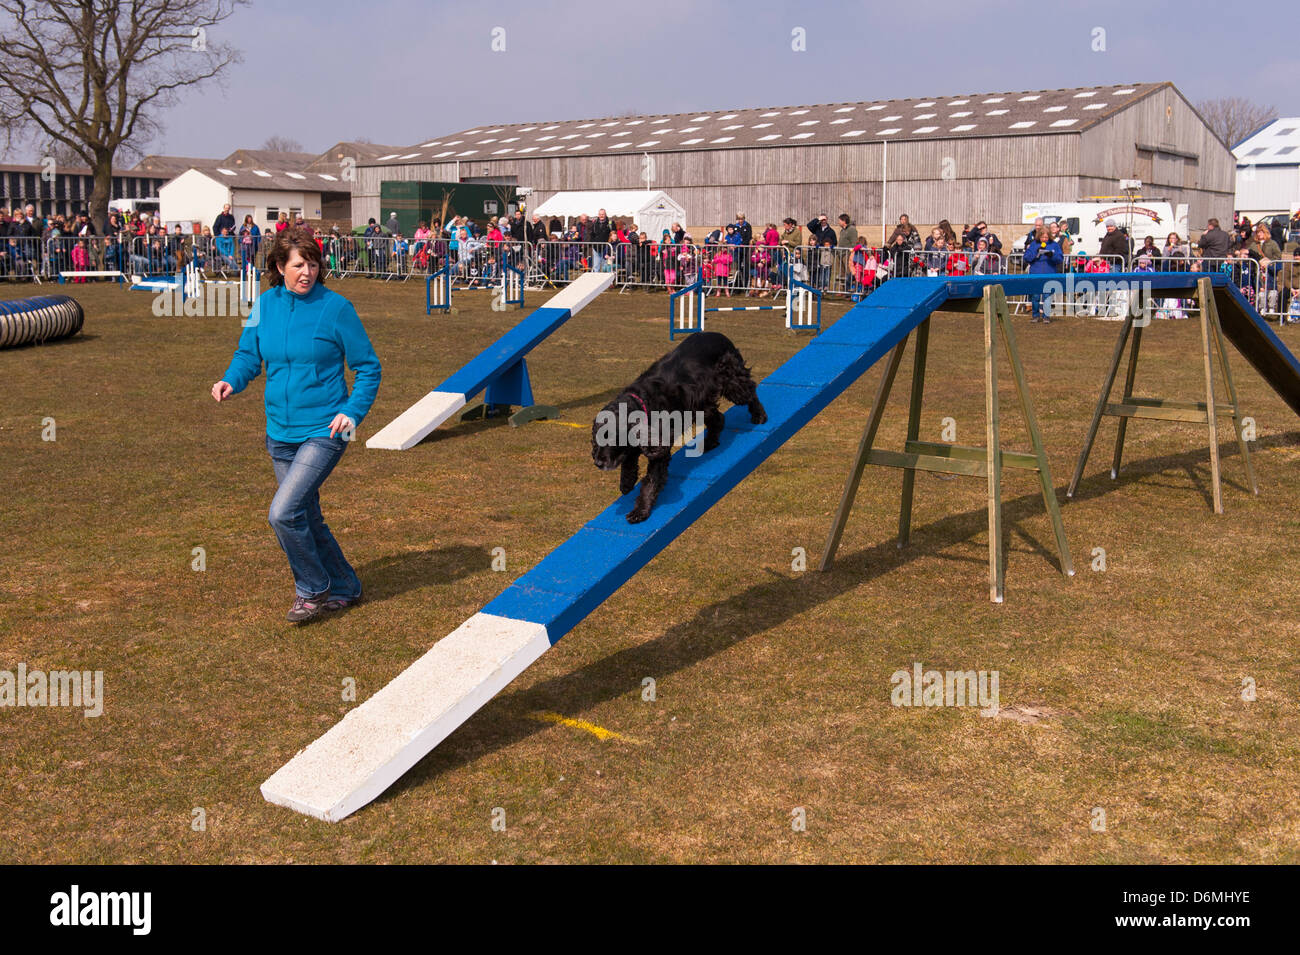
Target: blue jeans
<point>1041,304</point>
<point>315,557</point>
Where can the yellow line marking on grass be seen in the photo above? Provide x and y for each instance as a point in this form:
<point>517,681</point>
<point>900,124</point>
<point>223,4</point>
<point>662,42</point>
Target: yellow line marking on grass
<point>567,424</point>
<point>542,716</point>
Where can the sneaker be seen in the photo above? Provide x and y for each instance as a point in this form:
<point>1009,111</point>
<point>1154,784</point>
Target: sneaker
<point>335,604</point>
<point>306,608</point>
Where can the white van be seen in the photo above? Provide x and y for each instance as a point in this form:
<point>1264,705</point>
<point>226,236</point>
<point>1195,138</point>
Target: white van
<point>1086,219</point>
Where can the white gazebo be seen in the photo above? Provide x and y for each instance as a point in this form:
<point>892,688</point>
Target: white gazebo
<point>652,211</point>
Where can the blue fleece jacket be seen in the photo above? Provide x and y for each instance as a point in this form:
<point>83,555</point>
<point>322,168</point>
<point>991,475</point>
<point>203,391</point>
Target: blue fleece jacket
<point>304,341</point>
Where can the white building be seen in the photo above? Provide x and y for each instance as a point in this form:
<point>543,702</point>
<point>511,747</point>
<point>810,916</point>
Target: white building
<point>197,195</point>
<point>1268,169</point>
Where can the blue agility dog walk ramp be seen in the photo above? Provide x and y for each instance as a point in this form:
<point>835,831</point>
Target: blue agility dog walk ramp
<point>499,369</point>
<point>371,747</point>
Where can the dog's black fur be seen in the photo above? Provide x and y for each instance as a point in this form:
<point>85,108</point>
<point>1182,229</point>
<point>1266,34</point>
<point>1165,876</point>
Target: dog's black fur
<point>690,378</point>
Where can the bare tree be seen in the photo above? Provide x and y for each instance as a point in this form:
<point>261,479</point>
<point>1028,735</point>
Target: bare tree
<point>282,144</point>
<point>1234,118</point>
<point>92,76</point>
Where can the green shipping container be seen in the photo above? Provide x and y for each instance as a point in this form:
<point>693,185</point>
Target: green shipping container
<point>416,202</point>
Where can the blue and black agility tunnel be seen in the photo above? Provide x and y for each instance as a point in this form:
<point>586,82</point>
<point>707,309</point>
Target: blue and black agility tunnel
<point>41,318</point>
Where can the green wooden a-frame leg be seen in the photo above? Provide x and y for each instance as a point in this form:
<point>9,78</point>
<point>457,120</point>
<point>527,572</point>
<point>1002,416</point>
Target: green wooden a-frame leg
<point>993,453</point>
<point>1226,372</point>
<point>864,451</point>
<point>1129,380</point>
<point>1106,388</point>
<point>913,429</point>
<point>1035,437</point>
<point>1211,412</point>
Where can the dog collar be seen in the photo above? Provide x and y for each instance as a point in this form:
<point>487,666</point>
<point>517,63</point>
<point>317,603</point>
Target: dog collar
<point>639,401</point>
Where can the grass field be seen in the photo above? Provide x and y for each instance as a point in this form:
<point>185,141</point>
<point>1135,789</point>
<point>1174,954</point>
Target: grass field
<point>1121,689</point>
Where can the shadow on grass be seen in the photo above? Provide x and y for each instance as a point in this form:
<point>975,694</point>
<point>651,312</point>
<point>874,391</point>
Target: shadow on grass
<point>504,721</point>
<point>464,429</point>
<point>398,573</point>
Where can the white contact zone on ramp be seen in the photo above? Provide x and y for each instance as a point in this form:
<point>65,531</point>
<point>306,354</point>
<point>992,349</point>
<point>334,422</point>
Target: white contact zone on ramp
<point>370,748</point>
<point>412,426</point>
<point>579,294</point>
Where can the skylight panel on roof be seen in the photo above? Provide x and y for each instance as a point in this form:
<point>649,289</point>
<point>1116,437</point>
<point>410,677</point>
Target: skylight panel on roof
<point>799,112</point>
<point>722,139</point>
<point>841,121</point>
<point>443,155</point>
<point>625,132</point>
<point>648,142</point>
<point>769,137</point>
<point>1095,106</point>
<point>728,116</point>
<point>810,122</point>
<point>889,132</point>
<point>427,145</point>
<point>1285,132</point>
<point>484,142</point>
<point>511,139</point>
<point>872,109</point>
<point>298,175</point>
<point>998,112</point>
<point>801,136</point>
<point>554,126</point>
<point>264,175</point>
<point>959,114</point>
<point>845,109</point>
<point>542,139</point>
<point>468,152</point>
<point>497,130</point>
<point>607,125</point>
<point>584,126</point>
<point>1258,151</point>
<point>551,149</point>
<point>527,129</point>
<point>1085,94</point>
<point>1029,99</point>
<point>760,126</point>
<point>635,122</point>
<point>225,172</point>
<point>453,142</point>
<point>692,142</point>
<point>1023,124</point>
<point>700,119</point>
<point>327,177</point>
<point>1285,150</point>
<point>656,122</point>
<point>958,102</point>
<point>472,132</point>
<point>594,135</point>
<point>890,119</point>
<point>923,105</point>
<point>1054,109</point>
<point>577,146</point>
<point>770,115</point>
<point>528,149</point>
<point>499,152</point>
<point>854,132</point>
<point>687,129</point>
<point>924,116</point>
<point>734,126</point>
<point>1126,91</point>
<point>1064,122</point>
<point>570,136</point>
<point>620,145</point>
<point>962,128</point>
<point>924,129</point>
<point>389,156</point>
<point>994,99</point>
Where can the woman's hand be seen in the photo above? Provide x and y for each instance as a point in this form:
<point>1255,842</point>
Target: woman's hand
<point>341,422</point>
<point>221,390</point>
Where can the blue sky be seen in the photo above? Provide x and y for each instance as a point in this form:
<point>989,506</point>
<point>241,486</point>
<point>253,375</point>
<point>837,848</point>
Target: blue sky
<point>401,72</point>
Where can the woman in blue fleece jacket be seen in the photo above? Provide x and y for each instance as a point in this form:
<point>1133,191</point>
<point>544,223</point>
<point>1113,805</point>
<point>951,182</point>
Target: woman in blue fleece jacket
<point>1043,255</point>
<point>304,333</point>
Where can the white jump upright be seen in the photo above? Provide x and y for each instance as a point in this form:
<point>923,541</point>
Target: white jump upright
<point>494,363</point>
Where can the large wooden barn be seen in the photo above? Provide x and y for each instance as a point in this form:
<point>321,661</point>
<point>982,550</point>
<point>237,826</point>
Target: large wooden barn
<point>969,157</point>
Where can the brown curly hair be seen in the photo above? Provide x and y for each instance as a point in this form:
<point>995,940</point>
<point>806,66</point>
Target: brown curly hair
<point>282,246</point>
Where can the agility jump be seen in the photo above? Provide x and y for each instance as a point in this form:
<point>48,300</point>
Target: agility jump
<point>687,308</point>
